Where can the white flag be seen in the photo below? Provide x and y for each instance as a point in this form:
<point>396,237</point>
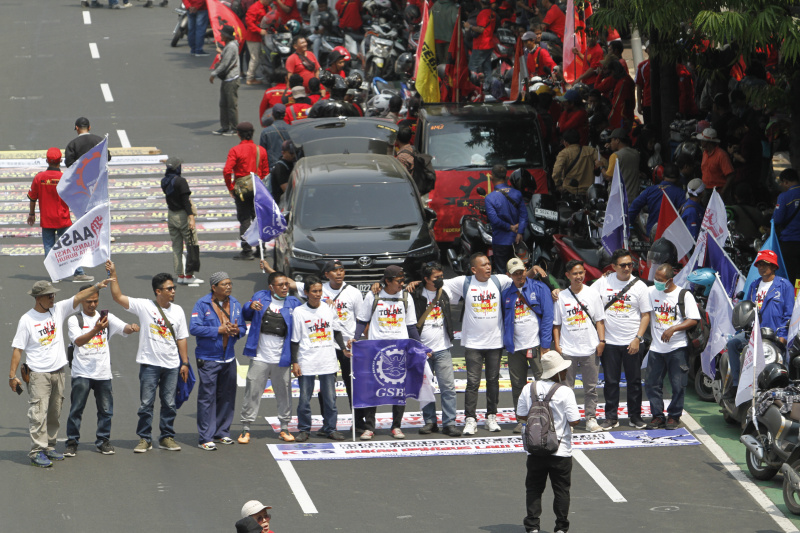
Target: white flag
<point>86,243</point>
<point>720,313</point>
<point>715,224</point>
<point>427,393</point>
<point>752,366</point>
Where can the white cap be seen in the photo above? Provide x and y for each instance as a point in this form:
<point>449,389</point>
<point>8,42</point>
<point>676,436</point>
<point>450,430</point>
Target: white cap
<point>253,507</point>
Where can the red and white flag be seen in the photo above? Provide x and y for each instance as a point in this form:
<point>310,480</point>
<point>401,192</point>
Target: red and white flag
<point>672,228</point>
<point>573,66</point>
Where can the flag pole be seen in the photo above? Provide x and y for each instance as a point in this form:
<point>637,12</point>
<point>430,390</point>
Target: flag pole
<point>352,393</point>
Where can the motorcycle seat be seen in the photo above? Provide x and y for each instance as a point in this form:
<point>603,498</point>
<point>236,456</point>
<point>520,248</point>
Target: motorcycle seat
<point>585,249</point>
<point>794,414</point>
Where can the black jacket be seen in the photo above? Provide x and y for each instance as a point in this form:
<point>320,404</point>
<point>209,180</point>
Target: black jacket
<point>79,146</point>
<point>421,304</point>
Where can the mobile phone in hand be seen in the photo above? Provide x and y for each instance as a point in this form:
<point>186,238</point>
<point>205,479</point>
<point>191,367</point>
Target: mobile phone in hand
<point>103,313</point>
<point>18,389</point>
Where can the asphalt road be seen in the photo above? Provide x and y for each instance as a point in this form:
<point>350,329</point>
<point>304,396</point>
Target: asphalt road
<point>162,98</point>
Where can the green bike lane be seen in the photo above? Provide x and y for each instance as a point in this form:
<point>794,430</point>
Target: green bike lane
<point>708,416</point>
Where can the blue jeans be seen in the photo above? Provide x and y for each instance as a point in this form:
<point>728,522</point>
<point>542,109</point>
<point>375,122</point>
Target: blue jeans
<point>49,237</point>
<point>327,389</point>
<point>105,407</point>
<point>198,22</point>
<point>166,380</point>
<point>662,364</point>
<point>216,394</point>
<point>736,344</point>
<point>481,61</point>
<point>442,365</point>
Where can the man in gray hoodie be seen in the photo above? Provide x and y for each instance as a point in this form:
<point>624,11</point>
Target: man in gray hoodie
<point>228,71</point>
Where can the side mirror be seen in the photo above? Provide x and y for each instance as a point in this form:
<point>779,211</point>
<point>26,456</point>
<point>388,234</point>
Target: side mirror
<point>430,214</point>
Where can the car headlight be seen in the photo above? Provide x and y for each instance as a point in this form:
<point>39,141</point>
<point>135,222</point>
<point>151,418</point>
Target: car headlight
<point>299,278</point>
<point>422,252</point>
<point>487,237</point>
<point>770,353</point>
<point>303,255</point>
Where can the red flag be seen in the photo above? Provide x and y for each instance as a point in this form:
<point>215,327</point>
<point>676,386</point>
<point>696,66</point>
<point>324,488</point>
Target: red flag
<point>457,69</point>
<point>518,74</point>
<point>220,15</point>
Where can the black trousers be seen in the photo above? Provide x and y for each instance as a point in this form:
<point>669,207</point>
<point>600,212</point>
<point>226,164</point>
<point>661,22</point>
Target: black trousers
<point>615,358</point>
<point>559,469</point>
<point>501,253</point>
<point>365,417</point>
<point>245,214</point>
<point>791,258</point>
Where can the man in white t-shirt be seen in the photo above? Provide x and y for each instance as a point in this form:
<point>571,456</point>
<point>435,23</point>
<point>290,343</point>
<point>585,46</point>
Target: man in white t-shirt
<point>627,315</point>
<point>389,315</point>
<point>163,356</point>
<point>668,354</point>
<point>558,467</point>
<point>579,336</point>
<point>313,346</point>
<point>39,336</point>
<point>89,331</point>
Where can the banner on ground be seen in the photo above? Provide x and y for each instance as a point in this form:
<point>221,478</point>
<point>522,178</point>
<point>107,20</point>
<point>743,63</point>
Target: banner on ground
<point>473,446</point>
<point>87,243</point>
<point>388,372</point>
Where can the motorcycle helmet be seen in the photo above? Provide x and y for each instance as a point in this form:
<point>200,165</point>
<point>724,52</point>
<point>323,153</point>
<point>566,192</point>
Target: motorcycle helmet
<point>326,78</point>
<point>540,88</point>
<point>596,195</point>
<point>379,104</point>
<point>498,89</point>
<point>294,27</point>
<point>343,52</point>
<point>703,277</point>
<point>326,21</point>
<point>522,251</point>
<point>412,14</point>
<point>605,136</point>
<point>687,152</point>
<point>774,376</point>
<point>744,314</point>
<point>354,80</point>
<point>662,251</point>
<point>583,90</point>
<point>338,88</point>
<point>404,66</point>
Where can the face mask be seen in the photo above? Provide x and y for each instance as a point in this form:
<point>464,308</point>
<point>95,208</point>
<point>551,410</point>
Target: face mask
<point>438,284</point>
<point>660,285</point>
<point>277,297</point>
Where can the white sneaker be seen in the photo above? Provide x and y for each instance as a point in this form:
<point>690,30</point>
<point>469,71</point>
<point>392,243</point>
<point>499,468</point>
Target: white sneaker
<point>192,280</point>
<point>181,280</point>
<point>367,435</point>
<point>592,425</point>
<point>470,427</point>
<point>491,423</point>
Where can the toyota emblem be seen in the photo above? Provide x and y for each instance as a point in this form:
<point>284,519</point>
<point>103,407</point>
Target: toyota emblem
<point>365,262</point>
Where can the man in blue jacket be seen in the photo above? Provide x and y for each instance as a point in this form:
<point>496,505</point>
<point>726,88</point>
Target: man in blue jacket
<point>652,196</point>
<point>269,347</point>
<point>787,222</point>
<point>217,323</point>
<point>774,300</point>
<point>508,216</point>
<point>527,326</point>
<point>692,211</point>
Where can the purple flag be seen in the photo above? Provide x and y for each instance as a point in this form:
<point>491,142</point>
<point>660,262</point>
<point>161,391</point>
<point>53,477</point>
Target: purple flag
<point>269,221</point>
<point>387,372</point>
<point>615,223</point>
<point>717,259</point>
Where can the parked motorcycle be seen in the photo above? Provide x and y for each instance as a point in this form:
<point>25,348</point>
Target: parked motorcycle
<point>702,280</point>
<point>382,44</point>
<point>476,236</point>
<point>278,44</point>
<point>331,37</point>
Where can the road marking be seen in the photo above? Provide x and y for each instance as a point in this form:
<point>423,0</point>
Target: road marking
<point>123,139</point>
<point>106,92</point>
<point>94,50</point>
<point>297,487</point>
<point>87,17</point>
<point>598,477</point>
<point>758,495</point>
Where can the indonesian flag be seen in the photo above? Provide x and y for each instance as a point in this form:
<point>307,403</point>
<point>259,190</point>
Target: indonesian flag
<point>573,66</point>
<point>672,228</point>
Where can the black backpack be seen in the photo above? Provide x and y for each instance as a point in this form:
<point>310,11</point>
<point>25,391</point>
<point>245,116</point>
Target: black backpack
<point>697,337</point>
<point>71,346</point>
<point>540,437</point>
<point>424,175</point>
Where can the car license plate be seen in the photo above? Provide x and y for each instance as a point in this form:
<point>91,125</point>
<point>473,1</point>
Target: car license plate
<point>364,287</point>
<point>547,214</point>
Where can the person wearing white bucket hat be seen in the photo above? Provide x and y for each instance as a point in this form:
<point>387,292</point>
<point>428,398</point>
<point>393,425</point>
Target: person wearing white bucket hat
<point>557,466</point>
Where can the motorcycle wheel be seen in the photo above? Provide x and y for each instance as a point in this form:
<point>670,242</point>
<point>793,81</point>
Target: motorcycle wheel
<point>175,38</point>
<point>759,469</point>
<point>702,386</point>
<point>790,496</point>
<point>729,419</point>
<point>372,70</point>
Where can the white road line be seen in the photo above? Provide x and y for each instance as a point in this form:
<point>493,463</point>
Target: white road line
<point>106,92</point>
<point>87,17</point>
<point>94,50</point>
<point>758,495</point>
<point>598,477</point>
<point>297,487</point>
<point>123,139</point>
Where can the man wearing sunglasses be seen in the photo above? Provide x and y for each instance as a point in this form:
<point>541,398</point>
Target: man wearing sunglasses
<point>163,356</point>
<point>39,336</point>
<point>627,309</point>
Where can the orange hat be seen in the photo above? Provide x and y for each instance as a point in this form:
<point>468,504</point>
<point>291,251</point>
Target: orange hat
<point>53,155</point>
<point>767,255</point>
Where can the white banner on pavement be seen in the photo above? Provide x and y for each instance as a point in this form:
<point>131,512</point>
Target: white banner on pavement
<point>85,244</point>
<point>309,451</point>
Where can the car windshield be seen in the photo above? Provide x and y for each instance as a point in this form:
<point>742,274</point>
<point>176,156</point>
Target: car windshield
<point>357,206</point>
<point>467,144</point>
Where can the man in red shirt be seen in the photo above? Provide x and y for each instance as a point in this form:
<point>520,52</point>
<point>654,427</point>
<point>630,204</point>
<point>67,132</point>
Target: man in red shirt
<point>244,158</point>
<point>573,116</point>
<point>53,212</point>
<point>273,95</point>
<point>538,60</point>
<point>642,81</point>
<point>716,166</point>
<point>621,86</point>
<point>349,12</point>
<point>687,106</point>
<point>286,10</point>
<point>302,61</point>
<point>482,44</point>
<point>592,58</point>
<point>555,21</point>
<point>253,36</point>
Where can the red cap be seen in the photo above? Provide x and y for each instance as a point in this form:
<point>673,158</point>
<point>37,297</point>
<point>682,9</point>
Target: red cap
<point>767,255</point>
<point>53,155</point>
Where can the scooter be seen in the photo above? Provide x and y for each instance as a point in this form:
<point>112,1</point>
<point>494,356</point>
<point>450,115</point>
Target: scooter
<point>182,27</point>
<point>382,45</point>
<point>701,279</point>
<point>278,47</point>
<point>476,236</point>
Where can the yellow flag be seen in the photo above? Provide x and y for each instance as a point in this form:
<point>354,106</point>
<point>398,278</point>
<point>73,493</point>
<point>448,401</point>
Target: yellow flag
<point>427,81</point>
